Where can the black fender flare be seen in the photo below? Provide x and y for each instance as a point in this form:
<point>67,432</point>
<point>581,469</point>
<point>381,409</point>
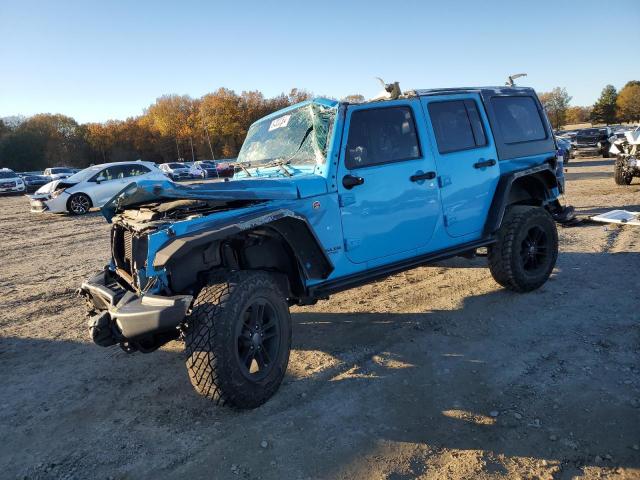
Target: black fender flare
<point>543,175</point>
<point>294,229</point>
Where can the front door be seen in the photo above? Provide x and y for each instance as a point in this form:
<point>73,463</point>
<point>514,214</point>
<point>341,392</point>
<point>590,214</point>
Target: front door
<point>386,181</point>
<point>468,169</point>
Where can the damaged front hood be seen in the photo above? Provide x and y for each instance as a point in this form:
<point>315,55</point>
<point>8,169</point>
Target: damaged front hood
<point>246,189</point>
<point>48,187</point>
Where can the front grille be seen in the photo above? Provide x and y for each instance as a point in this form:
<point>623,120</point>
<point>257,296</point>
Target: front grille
<point>129,252</point>
<point>7,184</point>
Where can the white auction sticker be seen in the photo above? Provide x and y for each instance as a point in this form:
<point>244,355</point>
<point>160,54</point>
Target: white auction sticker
<point>279,122</point>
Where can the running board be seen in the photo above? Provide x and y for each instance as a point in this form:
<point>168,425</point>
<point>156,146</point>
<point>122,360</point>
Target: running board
<point>325,289</point>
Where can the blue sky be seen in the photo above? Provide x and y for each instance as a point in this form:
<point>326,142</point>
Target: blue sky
<point>97,60</point>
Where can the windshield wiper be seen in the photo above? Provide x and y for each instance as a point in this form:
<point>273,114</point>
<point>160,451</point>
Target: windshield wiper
<point>244,168</point>
<point>281,164</point>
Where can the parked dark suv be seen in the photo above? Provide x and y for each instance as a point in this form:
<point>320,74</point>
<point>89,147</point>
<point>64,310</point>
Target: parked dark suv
<point>593,141</point>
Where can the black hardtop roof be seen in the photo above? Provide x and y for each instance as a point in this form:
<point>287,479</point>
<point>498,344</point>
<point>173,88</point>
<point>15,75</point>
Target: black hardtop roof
<point>504,90</point>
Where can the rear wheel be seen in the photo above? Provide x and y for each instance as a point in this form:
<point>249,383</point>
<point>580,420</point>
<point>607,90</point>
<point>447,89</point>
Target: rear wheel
<point>526,250</point>
<point>620,175</point>
<point>238,339</point>
<point>79,204</point>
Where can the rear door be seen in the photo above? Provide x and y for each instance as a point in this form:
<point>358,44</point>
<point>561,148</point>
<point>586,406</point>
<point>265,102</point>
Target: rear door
<point>386,181</point>
<point>466,158</point>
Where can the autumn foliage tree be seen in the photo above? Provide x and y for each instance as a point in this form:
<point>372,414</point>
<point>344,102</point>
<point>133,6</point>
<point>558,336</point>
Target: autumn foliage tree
<point>42,140</point>
<point>556,103</point>
<point>628,102</point>
<point>172,116</point>
<point>577,115</point>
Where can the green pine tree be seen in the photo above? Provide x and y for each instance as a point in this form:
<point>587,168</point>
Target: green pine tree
<point>605,109</point>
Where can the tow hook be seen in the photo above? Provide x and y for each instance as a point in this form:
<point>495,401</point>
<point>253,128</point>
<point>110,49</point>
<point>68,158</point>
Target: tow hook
<point>100,329</point>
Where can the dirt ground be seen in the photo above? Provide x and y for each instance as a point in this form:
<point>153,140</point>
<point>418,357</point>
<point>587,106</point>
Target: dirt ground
<point>433,373</point>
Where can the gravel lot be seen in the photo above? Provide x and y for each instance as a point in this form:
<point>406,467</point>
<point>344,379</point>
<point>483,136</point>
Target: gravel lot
<point>433,373</point>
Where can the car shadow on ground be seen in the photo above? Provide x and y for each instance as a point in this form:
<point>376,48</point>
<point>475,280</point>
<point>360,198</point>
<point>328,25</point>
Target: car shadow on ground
<point>431,378</point>
<point>589,175</point>
<point>591,163</point>
<point>596,210</point>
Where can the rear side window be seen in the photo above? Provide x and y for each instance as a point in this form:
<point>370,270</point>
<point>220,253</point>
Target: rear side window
<point>381,135</point>
<point>518,119</point>
<point>110,173</point>
<point>135,170</point>
<point>457,125</point>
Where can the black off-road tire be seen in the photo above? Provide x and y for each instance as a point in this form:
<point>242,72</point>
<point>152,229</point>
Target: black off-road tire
<point>79,204</point>
<point>213,345</point>
<point>619,175</point>
<point>515,260</point>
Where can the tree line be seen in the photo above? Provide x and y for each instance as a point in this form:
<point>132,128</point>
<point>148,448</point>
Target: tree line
<point>611,107</point>
<point>174,127</point>
<point>214,126</point>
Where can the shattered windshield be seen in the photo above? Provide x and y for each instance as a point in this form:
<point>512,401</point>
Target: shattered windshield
<point>298,136</point>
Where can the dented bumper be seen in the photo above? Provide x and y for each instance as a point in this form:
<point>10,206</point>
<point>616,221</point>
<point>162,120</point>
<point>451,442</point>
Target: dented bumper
<point>121,316</point>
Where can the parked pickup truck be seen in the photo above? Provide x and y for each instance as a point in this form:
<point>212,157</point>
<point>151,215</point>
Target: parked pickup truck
<point>326,196</point>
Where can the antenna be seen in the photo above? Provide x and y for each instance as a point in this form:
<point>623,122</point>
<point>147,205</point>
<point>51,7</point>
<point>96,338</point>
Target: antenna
<point>510,81</point>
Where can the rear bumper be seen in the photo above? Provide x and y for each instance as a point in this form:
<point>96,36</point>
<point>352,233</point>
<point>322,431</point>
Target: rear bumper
<point>180,176</point>
<point>121,316</point>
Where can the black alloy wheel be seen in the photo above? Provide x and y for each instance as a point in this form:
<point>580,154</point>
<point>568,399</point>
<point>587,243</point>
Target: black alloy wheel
<point>258,339</point>
<point>533,250</point>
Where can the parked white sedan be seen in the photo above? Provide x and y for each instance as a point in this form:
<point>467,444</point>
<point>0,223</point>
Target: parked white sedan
<point>91,187</point>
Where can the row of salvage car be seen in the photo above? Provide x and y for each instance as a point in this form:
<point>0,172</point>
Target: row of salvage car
<point>591,141</point>
<point>27,182</point>
<point>81,190</point>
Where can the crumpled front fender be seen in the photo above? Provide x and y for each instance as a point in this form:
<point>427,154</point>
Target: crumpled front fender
<point>248,189</point>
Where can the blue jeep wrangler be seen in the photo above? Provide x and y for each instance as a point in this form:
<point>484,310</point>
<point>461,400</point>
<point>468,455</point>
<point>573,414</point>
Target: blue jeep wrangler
<point>326,196</point>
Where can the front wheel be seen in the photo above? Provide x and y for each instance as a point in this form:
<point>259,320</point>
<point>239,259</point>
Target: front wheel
<point>620,174</point>
<point>238,339</point>
<point>79,204</point>
<point>526,250</point>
